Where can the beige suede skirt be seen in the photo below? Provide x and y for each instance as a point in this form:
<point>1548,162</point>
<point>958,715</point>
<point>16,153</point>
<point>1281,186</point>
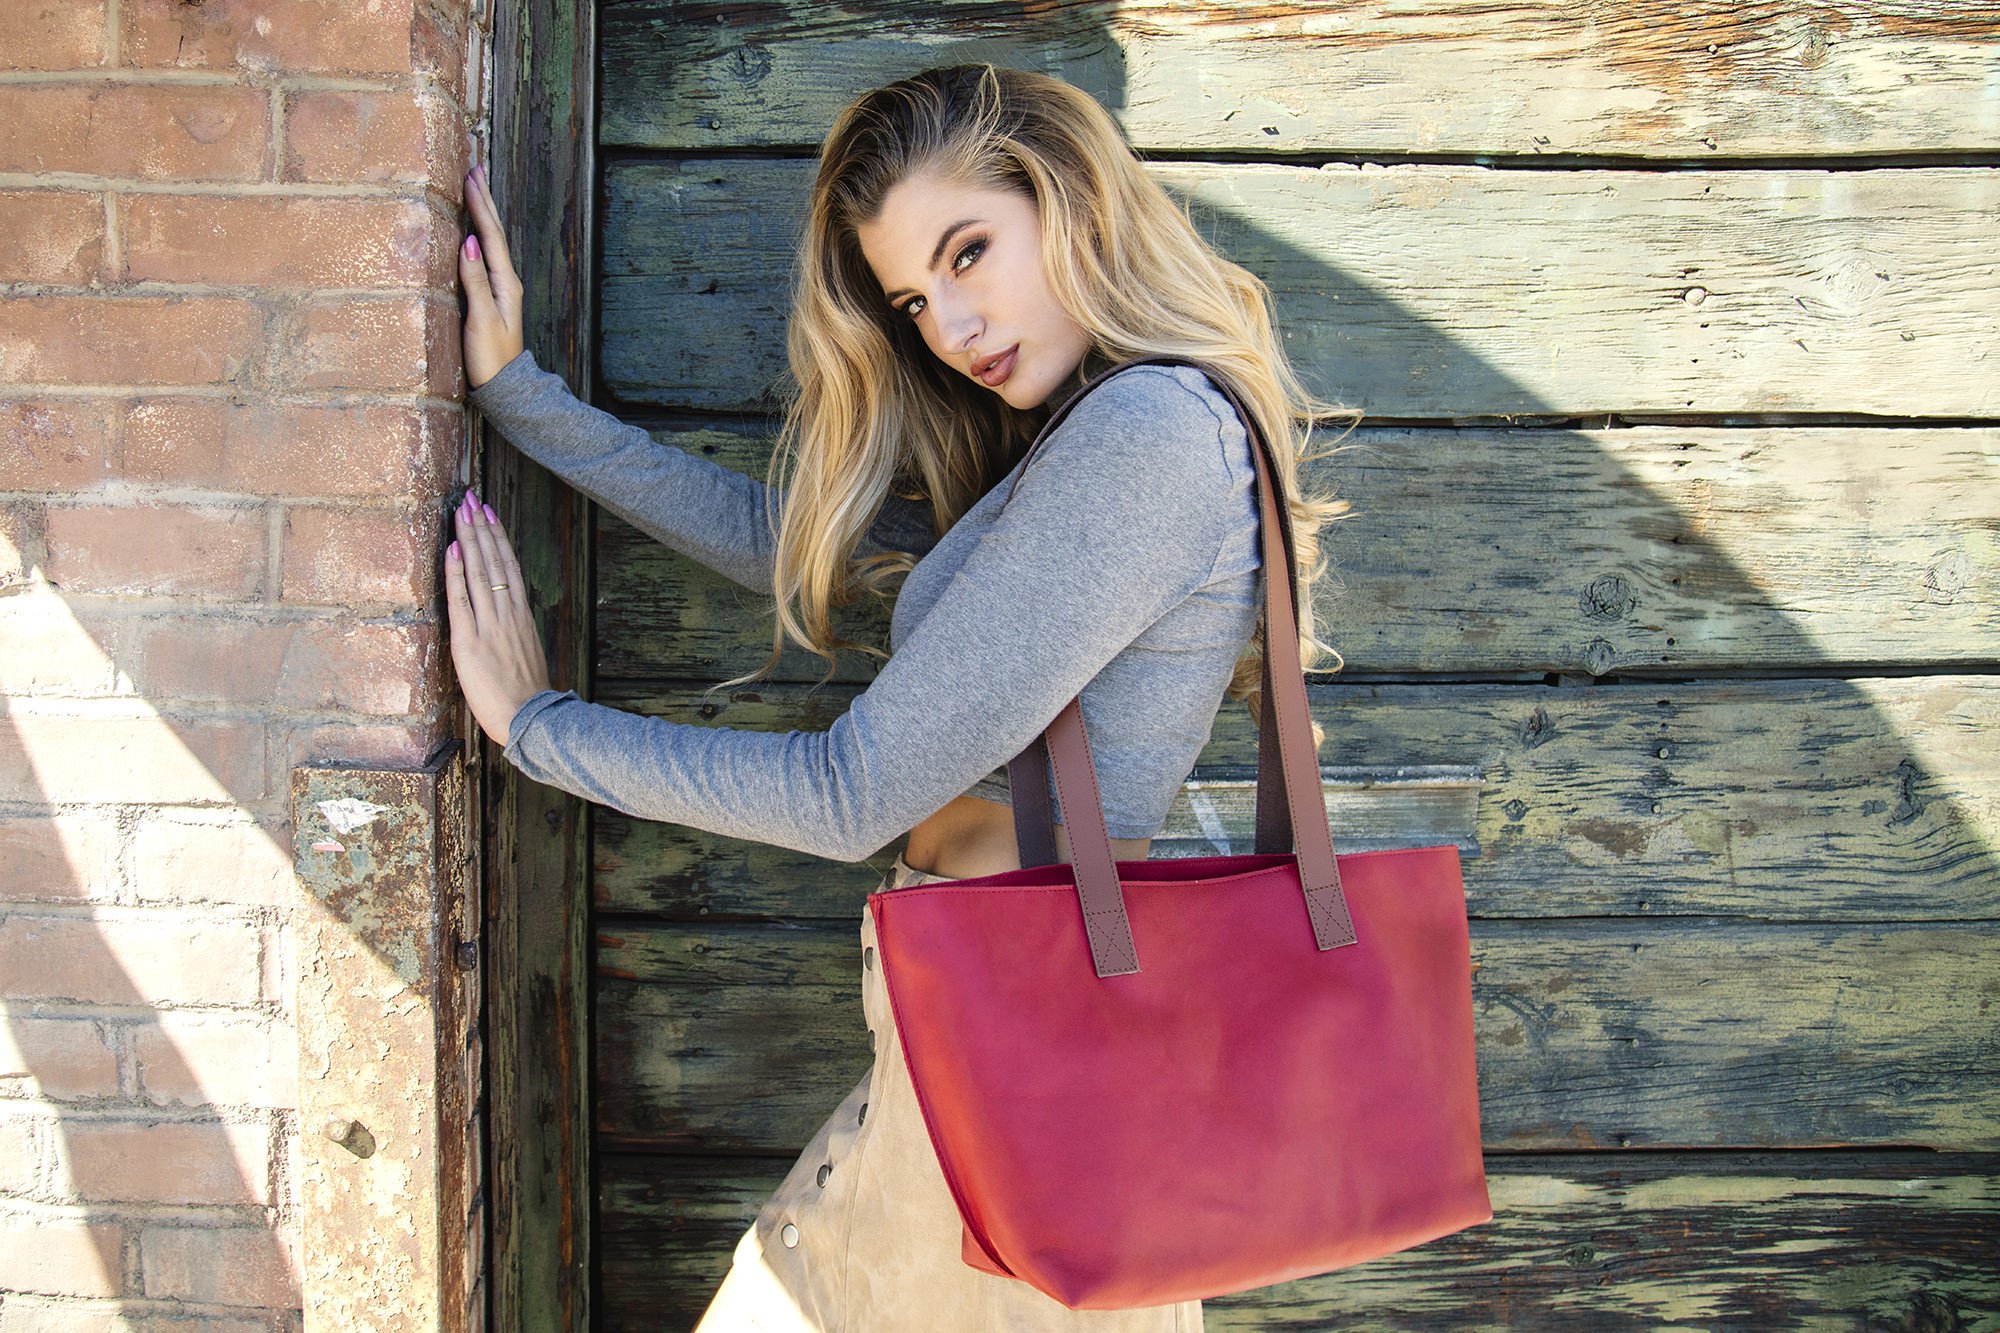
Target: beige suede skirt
<point>863,1235</point>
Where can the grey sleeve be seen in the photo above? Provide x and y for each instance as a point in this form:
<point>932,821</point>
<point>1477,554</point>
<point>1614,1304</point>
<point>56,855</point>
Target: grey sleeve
<point>700,508</point>
<point>1121,515</point>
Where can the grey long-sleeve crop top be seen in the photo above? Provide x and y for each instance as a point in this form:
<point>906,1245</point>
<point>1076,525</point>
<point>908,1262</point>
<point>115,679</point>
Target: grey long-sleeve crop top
<point>1124,566</point>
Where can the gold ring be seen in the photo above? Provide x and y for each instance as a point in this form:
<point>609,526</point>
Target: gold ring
<point>499,587</point>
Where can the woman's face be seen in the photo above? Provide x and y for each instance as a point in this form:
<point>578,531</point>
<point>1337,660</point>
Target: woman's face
<point>965,265</point>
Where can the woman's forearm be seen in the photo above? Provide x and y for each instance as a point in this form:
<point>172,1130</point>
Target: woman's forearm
<point>698,507</point>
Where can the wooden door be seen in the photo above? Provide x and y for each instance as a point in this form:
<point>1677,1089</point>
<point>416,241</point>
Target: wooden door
<point>1671,602</point>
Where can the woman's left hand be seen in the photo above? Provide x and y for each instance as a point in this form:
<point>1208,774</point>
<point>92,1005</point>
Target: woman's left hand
<point>494,643</point>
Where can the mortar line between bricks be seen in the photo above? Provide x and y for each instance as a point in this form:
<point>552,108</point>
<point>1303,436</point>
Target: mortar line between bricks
<point>133,76</point>
<point>141,708</point>
<point>192,1214</point>
<point>274,551</point>
<point>114,265</point>
<point>125,825</point>
<point>139,913</point>
<point>119,1040</point>
<point>138,606</point>
<point>211,1313</point>
<point>186,1016</point>
<point>74,1113</point>
<point>411,191</point>
<point>223,391</point>
<point>132,496</point>
<point>274,143</point>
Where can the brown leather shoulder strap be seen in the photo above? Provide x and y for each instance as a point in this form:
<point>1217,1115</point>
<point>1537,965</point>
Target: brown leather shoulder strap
<point>1291,812</point>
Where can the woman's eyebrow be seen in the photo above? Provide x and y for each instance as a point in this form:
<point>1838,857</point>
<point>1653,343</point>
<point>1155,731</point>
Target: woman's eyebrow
<point>937,254</point>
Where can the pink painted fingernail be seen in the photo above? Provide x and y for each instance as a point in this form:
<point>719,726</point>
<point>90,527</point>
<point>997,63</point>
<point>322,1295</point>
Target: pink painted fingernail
<point>454,550</point>
<point>491,517</point>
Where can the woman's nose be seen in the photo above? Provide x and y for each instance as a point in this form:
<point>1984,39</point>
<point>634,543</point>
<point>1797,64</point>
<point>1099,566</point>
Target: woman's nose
<point>958,324</point>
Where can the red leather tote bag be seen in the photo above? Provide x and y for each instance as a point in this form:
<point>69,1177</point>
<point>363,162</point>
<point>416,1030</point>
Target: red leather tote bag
<point>1157,1081</point>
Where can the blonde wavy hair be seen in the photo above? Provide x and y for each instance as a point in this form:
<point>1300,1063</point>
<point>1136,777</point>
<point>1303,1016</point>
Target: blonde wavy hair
<point>873,409</point>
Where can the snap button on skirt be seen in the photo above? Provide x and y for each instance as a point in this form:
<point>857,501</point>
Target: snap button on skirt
<point>863,1237</point>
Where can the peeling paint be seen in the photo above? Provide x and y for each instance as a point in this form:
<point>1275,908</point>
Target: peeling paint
<point>350,813</point>
<point>384,1019</point>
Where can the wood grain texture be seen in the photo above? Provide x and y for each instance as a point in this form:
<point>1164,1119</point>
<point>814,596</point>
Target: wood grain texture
<point>1645,80</point>
<point>1688,1033</point>
<point>1579,1243</point>
<point>1621,1241</point>
<point>536,947</point>
<point>1642,549</point>
<point>1434,291</point>
<point>1803,801</point>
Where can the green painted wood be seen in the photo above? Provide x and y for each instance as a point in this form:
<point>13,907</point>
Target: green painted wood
<point>1712,917</point>
<point>1680,84</point>
<point>1662,549</point>
<point>765,1018</point>
<point>1579,1243</point>
<point>1688,1033</point>
<point>660,613</point>
<point>1434,291</point>
<point>1787,800</point>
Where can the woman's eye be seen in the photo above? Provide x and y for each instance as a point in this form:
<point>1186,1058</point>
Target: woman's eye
<point>913,307</point>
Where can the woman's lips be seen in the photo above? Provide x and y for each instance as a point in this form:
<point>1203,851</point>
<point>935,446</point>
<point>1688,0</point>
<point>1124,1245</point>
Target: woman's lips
<point>996,374</point>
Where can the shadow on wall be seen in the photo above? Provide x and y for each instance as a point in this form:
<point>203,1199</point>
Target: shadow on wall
<point>144,969</point>
<point>161,965</point>
<point>151,1059</point>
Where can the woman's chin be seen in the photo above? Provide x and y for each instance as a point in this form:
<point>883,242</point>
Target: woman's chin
<point>1020,393</point>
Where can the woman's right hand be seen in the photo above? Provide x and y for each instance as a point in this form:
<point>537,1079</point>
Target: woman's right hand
<point>493,334</point>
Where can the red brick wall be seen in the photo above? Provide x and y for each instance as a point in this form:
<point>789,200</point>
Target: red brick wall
<point>228,373</point>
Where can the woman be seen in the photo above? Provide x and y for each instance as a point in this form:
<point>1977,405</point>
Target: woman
<point>980,244</point>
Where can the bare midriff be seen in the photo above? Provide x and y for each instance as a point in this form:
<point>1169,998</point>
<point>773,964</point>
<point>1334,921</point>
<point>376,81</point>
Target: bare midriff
<point>972,836</point>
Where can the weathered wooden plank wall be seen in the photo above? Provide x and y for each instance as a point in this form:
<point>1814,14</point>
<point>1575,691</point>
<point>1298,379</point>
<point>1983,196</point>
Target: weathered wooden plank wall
<point>1437,290</point>
<point>535,947</point>
<point>1657,548</point>
<point>1673,601</point>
